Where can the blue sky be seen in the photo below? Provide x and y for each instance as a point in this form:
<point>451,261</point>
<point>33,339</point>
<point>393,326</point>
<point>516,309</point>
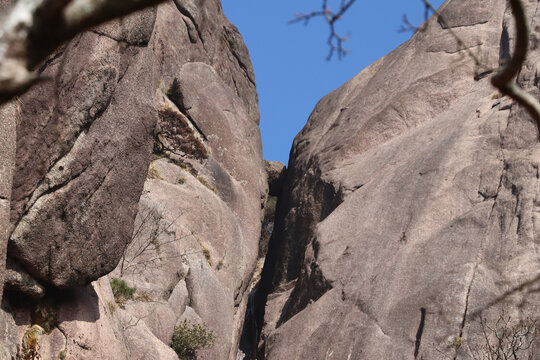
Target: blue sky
<point>290,60</point>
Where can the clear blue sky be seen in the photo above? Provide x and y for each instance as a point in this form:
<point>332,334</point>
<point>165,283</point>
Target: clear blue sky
<point>289,60</point>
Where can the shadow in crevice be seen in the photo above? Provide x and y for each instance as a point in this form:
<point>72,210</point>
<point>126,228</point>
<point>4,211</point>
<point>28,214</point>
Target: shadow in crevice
<point>419,332</point>
<point>57,306</point>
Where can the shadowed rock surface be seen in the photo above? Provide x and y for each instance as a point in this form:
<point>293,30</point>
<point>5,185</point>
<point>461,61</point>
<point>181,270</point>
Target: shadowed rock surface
<point>276,173</point>
<point>412,203</point>
<point>160,104</point>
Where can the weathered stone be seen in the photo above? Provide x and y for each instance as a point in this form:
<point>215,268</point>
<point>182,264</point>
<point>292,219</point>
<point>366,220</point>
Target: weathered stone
<point>87,318</point>
<point>275,172</point>
<point>144,345</point>
<point>80,160</point>
<point>52,345</point>
<point>9,337</point>
<point>411,205</point>
<point>8,124</point>
<point>157,316</point>
<point>133,30</point>
<point>179,299</point>
<point>17,279</point>
<point>190,316</point>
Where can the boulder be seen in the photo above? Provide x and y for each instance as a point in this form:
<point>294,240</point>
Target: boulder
<point>83,147</point>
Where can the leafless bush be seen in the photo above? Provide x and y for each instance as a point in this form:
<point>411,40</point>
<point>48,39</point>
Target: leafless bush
<point>144,248</point>
<point>144,251</point>
<point>507,339</point>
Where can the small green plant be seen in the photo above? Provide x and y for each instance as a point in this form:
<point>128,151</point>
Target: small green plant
<point>181,181</point>
<point>496,96</point>
<point>62,355</point>
<point>456,343</point>
<point>188,338</point>
<point>153,173</point>
<point>121,291</point>
<point>143,297</point>
<point>45,315</point>
<point>205,182</point>
<point>206,253</point>
<point>29,349</point>
<point>111,306</point>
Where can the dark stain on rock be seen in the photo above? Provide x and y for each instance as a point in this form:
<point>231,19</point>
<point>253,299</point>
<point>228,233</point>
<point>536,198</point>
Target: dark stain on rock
<point>419,332</point>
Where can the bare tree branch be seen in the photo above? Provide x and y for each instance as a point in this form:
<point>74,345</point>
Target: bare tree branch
<point>504,79</point>
<point>335,40</point>
<point>32,29</point>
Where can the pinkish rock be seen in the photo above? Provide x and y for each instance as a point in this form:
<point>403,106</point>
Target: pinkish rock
<point>411,204</point>
<point>83,152</point>
<point>82,159</point>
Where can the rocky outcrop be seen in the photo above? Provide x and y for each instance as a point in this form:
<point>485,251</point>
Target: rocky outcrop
<point>163,104</point>
<point>83,147</point>
<point>276,173</point>
<point>411,206</point>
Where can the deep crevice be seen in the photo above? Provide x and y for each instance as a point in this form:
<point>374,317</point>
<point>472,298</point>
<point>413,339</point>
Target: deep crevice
<point>440,21</point>
<point>50,61</point>
<point>187,14</point>
<point>285,261</point>
<point>419,332</point>
<point>175,95</point>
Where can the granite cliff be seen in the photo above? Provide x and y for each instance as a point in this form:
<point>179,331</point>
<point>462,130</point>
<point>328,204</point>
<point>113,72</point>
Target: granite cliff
<point>138,161</point>
<point>410,212</point>
<point>407,222</point>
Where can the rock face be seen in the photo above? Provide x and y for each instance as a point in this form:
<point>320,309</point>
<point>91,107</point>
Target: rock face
<point>7,163</point>
<point>411,208</point>
<point>83,147</point>
<point>163,104</point>
<point>276,173</point>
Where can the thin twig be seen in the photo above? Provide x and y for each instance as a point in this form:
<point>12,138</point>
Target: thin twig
<point>504,79</point>
<point>335,40</point>
<point>459,41</point>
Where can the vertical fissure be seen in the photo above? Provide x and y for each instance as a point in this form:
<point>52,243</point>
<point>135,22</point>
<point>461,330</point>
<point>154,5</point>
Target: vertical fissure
<point>419,332</point>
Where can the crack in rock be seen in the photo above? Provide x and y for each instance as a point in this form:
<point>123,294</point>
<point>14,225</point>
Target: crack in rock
<point>419,332</point>
<point>123,41</point>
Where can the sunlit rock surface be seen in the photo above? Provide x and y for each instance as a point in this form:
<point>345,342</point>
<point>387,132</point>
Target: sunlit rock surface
<point>412,203</point>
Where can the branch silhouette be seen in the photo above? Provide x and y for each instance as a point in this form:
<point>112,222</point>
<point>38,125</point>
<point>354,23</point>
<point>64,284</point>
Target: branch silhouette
<point>504,79</point>
<point>31,30</point>
<point>335,40</point>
